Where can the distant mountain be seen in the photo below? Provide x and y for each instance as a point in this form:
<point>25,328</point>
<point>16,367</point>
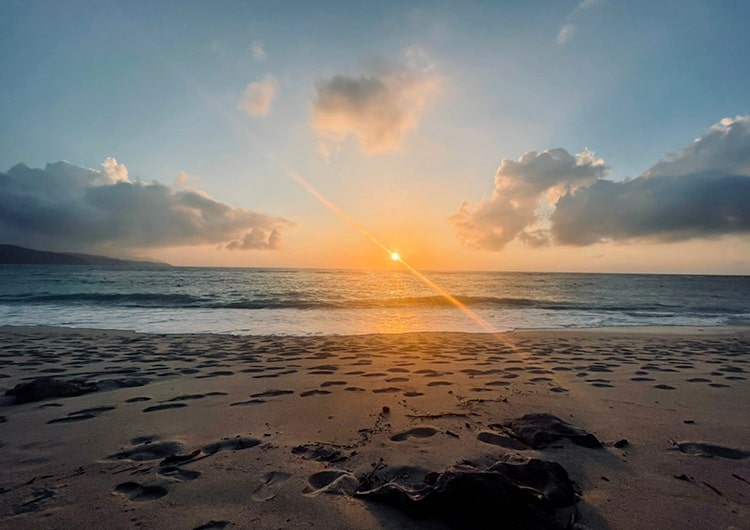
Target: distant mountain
<point>15,255</point>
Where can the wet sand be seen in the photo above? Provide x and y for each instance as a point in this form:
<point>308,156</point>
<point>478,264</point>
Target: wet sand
<point>217,431</point>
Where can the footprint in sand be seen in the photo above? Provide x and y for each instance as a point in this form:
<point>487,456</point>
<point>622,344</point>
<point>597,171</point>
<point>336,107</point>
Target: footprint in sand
<point>270,486</point>
<point>314,392</point>
<point>439,383</point>
<point>191,397</point>
<point>331,481</point>
<point>710,450</point>
<point>139,493</point>
<point>164,407</point>
<point>237,443</point>
<point>138,399</point>
<point>179,473</point>
<point>147,449</point>
<point>664,387</point>
<point>386,390</point>
<point>248,402</point>
<point>38,499</point>
<point>416,432</point>
<point>354,389</point>
<point>218,373</point>
<point>412,393</point>
<point>326,384</point>
<point>212,525</point>
<point>272,393</point>
<point>80,415</point>
<point>273,376</point>
<point>497,383</point>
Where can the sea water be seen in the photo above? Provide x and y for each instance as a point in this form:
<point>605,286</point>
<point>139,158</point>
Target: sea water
<point>315,302</point>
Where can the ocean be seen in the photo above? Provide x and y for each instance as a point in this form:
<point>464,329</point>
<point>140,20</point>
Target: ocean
<point>344,302</point>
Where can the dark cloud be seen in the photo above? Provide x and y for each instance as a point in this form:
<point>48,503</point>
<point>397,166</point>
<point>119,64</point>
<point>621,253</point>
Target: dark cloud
<point>378,108</point>
<point>666,208</point>
<point>701,192</point>
<point>66,207</point>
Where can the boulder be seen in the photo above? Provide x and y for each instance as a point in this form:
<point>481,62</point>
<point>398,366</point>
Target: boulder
<point>48,387</point>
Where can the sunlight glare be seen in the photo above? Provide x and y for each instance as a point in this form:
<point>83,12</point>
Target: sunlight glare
<point>395,256</point>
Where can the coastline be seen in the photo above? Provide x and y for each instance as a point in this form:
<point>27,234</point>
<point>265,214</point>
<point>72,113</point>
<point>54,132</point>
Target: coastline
<point>303,397</point>
<point>741,330</point>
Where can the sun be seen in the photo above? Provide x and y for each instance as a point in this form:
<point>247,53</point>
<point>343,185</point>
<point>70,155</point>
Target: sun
<point>395,256</point>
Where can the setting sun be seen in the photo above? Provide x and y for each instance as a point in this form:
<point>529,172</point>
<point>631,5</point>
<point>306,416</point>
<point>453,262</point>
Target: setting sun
<point>395,256</point>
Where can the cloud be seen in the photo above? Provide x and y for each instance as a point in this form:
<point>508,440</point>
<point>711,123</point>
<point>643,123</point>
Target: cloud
<point>565,33</point>
<point>520,187</point>
<point>258,96</point>
<point>115,172</point>
<point>378,107</point>
<point>258,51</point>
<point>568,30</point>
<point>257,239</point>
<point>66,207</point>
<point>585,4</point>
<point>701,192</point>
<point>724,148</point>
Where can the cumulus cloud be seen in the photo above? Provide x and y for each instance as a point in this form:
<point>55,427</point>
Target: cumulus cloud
<point>378,107</point>
<point>115,171</point>
<point>258,96</point>
<point>701,192</point>
<point>66,207</point>
<point>520,189</point>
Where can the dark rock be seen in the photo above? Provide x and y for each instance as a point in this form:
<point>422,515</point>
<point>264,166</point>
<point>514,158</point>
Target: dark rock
<point>48,387</point>
<point>621,443</point>
<point>526,494</point>
<point>540,430</point>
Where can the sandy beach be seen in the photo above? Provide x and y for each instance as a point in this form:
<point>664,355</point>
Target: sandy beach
<point>220,431</point>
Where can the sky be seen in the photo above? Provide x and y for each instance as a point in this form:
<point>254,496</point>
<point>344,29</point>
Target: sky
<point>585,135</point>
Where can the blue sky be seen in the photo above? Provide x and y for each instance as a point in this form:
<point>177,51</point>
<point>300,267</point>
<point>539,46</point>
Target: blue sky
<point>156,85</point>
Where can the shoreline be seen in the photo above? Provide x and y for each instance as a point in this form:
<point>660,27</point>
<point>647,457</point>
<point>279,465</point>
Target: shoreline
<point>392,407</point>
<point>624,330</point>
